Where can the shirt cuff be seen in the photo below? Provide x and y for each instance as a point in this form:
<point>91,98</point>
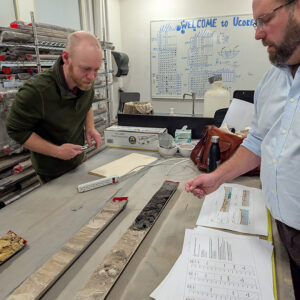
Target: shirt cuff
<point>253,144</point>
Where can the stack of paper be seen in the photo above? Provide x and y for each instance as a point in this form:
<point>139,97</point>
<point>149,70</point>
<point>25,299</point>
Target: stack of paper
<point>239,114</point>
<point>219,265</point>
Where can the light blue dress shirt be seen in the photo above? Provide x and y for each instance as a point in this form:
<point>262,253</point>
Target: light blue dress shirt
<point>275,136</point>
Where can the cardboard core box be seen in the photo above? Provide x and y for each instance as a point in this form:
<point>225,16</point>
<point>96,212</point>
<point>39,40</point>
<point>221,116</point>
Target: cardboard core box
<point>144,138</point>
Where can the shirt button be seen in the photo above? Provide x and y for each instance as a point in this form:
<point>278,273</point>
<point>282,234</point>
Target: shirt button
<point>274,161</point>
<point>283,131</point>
<point>292,100</point>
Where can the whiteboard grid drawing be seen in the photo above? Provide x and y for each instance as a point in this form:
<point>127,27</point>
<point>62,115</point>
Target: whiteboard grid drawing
<point>186,52</point>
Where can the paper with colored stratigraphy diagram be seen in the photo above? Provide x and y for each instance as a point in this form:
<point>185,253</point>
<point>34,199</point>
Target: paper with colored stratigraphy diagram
<point>235,207</point>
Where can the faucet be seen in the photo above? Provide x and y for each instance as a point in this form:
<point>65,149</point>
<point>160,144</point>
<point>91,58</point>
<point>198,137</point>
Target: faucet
<point>193,95</point>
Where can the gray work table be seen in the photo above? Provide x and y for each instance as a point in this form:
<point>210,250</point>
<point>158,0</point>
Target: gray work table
<point>52,214</point>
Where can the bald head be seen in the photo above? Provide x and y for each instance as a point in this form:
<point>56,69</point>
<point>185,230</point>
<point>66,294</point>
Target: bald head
<point>81,40</point>
<point>82,59</point>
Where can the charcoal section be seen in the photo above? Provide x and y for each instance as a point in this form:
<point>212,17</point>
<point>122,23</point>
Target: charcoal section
<point>152,210</point>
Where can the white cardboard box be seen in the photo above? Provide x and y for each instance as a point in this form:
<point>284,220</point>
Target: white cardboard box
<point>145,138</point>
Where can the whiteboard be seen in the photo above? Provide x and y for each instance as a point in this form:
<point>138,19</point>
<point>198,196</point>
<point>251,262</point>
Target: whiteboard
<point>185,53</point>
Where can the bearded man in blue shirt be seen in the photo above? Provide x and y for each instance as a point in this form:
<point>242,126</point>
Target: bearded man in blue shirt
<point>274,139</point>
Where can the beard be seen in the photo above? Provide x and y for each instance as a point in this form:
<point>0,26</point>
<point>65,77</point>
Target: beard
<point>80,82</point>
<point>286,48</point>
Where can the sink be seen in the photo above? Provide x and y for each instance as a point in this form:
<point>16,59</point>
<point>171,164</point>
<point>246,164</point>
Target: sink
<point>186,115</point>
<point>178,115</point>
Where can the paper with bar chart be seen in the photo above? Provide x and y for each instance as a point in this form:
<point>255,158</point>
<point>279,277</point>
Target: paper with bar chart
<point>235,207</point>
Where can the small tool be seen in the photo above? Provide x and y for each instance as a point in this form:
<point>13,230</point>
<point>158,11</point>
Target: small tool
<point>84,187</point>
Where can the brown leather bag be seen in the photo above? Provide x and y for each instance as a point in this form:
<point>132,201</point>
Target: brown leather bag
<point>228,144</point>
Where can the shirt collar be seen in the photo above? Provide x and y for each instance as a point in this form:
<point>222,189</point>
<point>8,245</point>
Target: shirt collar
<point>62,78</point>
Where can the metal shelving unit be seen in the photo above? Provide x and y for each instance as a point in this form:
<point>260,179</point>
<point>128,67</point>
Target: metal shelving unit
<point>99,86</point>
<point>38,45</point>
<point>31,46</point>
<point>105,84</point>
<point>106,47</point>
<point>45,63</point>
<point>37,48</point>
<point>15,48</point>
<point>101,100</point>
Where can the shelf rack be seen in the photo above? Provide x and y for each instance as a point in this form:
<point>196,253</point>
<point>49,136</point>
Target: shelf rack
<point>45,63</point>
<point>37,47</point>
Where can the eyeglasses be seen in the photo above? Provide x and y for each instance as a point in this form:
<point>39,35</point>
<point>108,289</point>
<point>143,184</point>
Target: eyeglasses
<point>266,18</point>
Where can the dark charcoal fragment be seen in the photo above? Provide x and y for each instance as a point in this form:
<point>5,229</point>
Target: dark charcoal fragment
<point>152,210</point>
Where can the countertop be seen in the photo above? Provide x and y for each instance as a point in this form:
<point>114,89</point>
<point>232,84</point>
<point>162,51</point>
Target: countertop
<point>52,214</point>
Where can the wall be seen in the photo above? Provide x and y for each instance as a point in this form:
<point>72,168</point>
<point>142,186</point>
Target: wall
<point>114,15</point>
<point>62,13</point>
<point>135,23</point>
<point>129,31</point>
<point>24,8</point>
<point>115,36</point>
<point>7,12</point>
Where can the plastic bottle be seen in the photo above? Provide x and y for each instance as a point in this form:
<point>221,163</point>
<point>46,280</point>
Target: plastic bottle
<point>215,98</point>
<point>214,157</point>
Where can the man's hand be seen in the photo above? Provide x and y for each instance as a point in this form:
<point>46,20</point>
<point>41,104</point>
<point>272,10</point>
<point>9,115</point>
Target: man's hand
<point>37,144</point>
<point>95,135</point>
<point>68,151</point>
<point>202,184</point>
<point>242,161</point>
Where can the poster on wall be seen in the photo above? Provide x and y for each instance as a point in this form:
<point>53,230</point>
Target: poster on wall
<point>185,53</point>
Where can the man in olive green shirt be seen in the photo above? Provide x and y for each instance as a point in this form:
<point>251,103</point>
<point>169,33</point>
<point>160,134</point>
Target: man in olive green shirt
<point>52,112</point>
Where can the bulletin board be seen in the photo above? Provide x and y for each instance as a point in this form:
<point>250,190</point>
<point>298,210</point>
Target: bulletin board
<point>185,53</point>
